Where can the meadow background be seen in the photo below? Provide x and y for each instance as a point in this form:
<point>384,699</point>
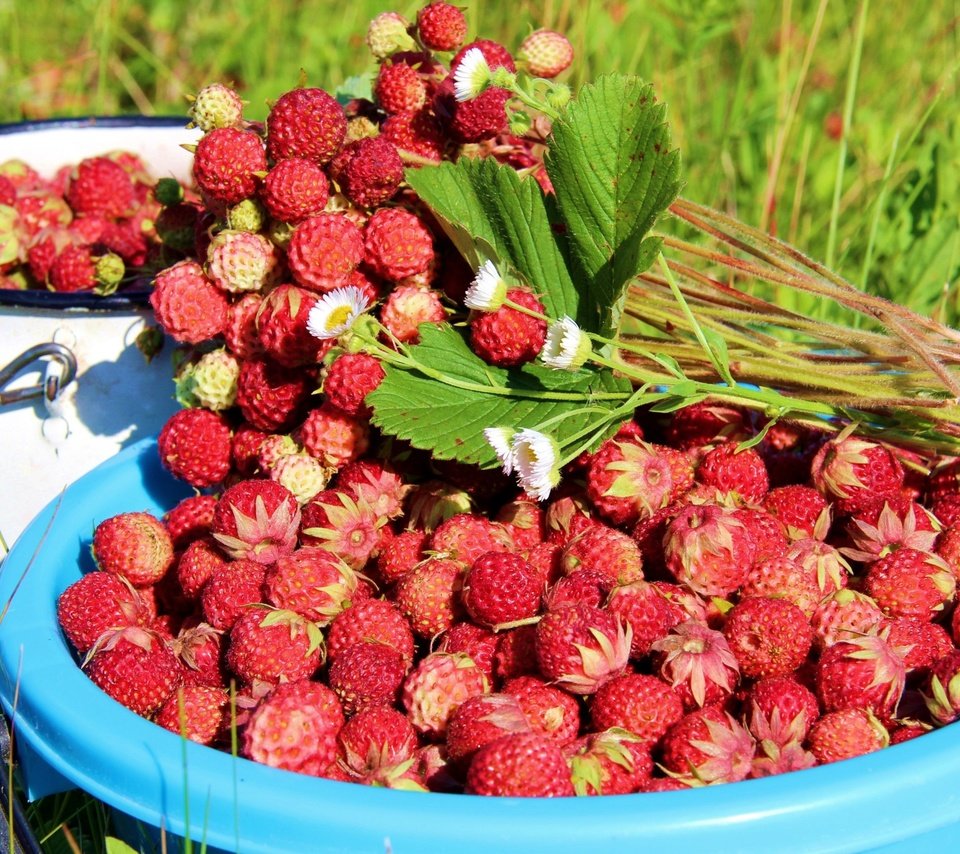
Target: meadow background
<point>834,124</point>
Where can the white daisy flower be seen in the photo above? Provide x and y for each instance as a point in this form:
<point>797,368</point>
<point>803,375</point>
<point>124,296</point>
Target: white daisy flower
<point>535,459</point>
<point>335,312</point>
<point>472,75</point>
<point>488,289</point>
<point>499,439</point>
<point>566,347</point>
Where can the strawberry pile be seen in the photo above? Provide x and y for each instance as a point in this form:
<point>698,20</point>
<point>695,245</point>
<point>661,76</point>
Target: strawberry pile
<point>704,598</point>
<point>89,227</point>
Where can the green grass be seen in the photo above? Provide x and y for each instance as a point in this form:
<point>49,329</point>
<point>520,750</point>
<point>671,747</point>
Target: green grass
<point>833,125</point>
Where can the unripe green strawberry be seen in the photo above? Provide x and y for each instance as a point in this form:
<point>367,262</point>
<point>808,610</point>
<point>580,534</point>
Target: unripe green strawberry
<point>387,34</point>
<point>211,382</point>
<point>215,106</point>
<point>238,261</point>
<point>545,53</point>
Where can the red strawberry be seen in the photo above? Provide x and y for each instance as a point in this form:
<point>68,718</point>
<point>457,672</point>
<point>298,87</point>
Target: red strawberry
<point>478,642</point>
<point>708,745</point>
<point>189,519</point>
<point>579,647</point>
<point>521,765</point>
<point>854,472</point>
<point>605,549</point>
<point>766,531</point>
<point>769,637</point>
<point>194,445</point>
<point>441,26</point>
<point>733,470</point>
<point>550,711</point>
<point>919,642</point>
<point>501,588</point>
<point>369,170</point>
<point>429,595</point>
<point>256,520</point>
<point>846,733</point>
<point>295,189</point>
<point>706,424</point>
<point>226,162</point>
<point>198,645</point>
<point>229,590</point>
<point>478,721</point>
<point>698,663</point>
<point>135,545</point>
<point>418,133</point>
<point>436,686</point>
<point>845,614</point>
<point>135,667</point>
<point>349,379</point>
<point>587,585</point>
<point>295,727</point>
<point>910,583</point>
<point>333,436</point>
<point>822,562</point>
<point>311,581</point>
<point>613,762</point>
<point>399,88</point>
<point>371,621</point>
<point>367,675</point>
<point>197,712</point>
<point>506,337</point>
<point>648,612</point>
<point>240,329</point>
<point>270,396</point>
<point>196,565</point>
<point>95,603</point>
<point>98,185</point>
<point>188,306</point>
<point>466,536</point>
<point>864,672</point>
<point>397,244</point>
<point>281,323</point>
<point>307,123</point>
<point>644,705</point>
<point>516,653</point>
<point>793,704</point>
<point>783,578</point>
<point>400,555</point>
<point>942,689</point>
<point>269,645</point>
<point>324,250</point>
<point>374,739</point>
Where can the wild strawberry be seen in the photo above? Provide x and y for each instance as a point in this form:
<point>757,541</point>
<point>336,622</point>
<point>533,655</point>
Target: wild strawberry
<point>77,268</point>
<point>516,653</point>
<point>271,645</point>
<point>400,555</point>
<point>647,611</point>
<point>367,675</point>
<point>196,564</point>
<point>779,743</point>
<point>709,745</point>
<point>281,323</point>
<point>135,545</point>
<point>910,583</point>
<point>270,396</point>
<point>397,244</point>
<point>387,34</point>
<point>95,603</point>
<point>545,53</point>
<point>303,475</point>
<point>429,595</point>
<point>433,502</point>
<point>641,704</point>
<point>417,133</point>
<point>853,472</point>
<point>606,549</point>
<point>846,733</point>
<point>706,548</point>
<point>349,379</point>
<point>295,189</point>
<point>348,528</point>
<point>550,711</point>
<point>312,582</point>
<point>769,637</point>
<point>524,519</point>
<point>369,171</point>
<point>612,762</point>
<point>333,436</point>
<point>406,307</point>
<point>733,470</point>
<point>194,446</point>
<point>188,306</point>
<point>197,712</point>
<point>399,88</point>
<point>324,250</point>
<point>947,547</point>
<point>210,382</point>
<point>370,621</point>
<point>307,123</point>
<point>98,185</point>
<point>579,647</point>
<point>784,699</point>
<point>918,642</point>
<point>766,531</point>
<point>441,26</point>
<point>499,588</point>
<point>506,337</point>
<point>706,424</point>
<point>436,686</point>
<point>229,590</point>
<point>823,562</point>
<point>240,329</point>
<point>783,578</point>
<point>479,642</point>
<point>295,727</point>
<point>587,585</point>
<point>477,721</point>
<point>876,534</point>
<point>215,106</point>
<point>256,520</point>
<point>199,645</point>
<point>238,261</point>
<point>466,536</point>
<point>226,162</point>
<point>941,692</point>
<point>519,765</point>
<point>40,209</point>
<point>843,615</point>
<point>862,672</point>
<point>697,662</point>
<point>135,667</point>
<point>373,739</point>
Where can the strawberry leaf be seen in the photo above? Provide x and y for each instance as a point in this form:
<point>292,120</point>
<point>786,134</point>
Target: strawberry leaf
<point>448,418</point>
<point>490,212</point>
<point>614,173</point>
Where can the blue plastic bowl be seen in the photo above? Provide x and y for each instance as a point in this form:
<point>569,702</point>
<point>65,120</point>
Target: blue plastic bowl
<point>71,735</point>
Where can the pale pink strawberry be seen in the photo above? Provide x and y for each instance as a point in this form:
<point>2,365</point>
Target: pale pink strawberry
<point>853,472</point>
<point>605,549</point>
<point>822,562</point>
<point>648,612</point>
<point>333,436</point>
<point>706,548</point>
<point>783,578</point>
<point>229,590</point>
<point>769,637</point>
<point>436,686</point>
<point>256,520</point>
<point>875,538</point>
<point>520,765</point>
<point>709,745</point>
<point>303,475</point>
<point>780,743</point>
<point>862,672</point>
<point>546,53</point>
<point>373,739</point>
<point>429,595</point>
<point>349,528</point>
<point>377,482</point>
<point>432,502</point>
<point>567,513</point>
<point>238,262</point>
<point>843,615</point>
<point>579,647</point>
<point>612,762</point>
<point>295,727</point>
<point>846,733</point>
<point>271,645</point>
<point>911,583</point>
<point>697,662</point>
<point>642,704</point>
<point>406,307</point>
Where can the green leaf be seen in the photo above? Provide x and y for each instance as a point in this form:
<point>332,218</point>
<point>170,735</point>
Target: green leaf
<point>614,173</point>
<point>488,210</point>
<point>448,417</point>
<point>358,87</point>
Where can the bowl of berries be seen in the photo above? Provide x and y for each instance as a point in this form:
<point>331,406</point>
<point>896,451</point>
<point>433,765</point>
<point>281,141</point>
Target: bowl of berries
<point>472,529</point>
